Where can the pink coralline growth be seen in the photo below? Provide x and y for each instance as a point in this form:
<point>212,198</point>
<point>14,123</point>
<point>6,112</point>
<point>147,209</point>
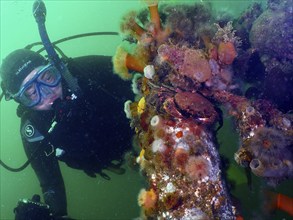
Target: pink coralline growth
<point>171,54</point>
<point>197,168</point>
<point>189,62</point>
<point>175,116</point>
<point>196,65</point>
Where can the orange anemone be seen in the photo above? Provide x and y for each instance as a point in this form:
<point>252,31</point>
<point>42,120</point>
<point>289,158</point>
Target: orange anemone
<point>129,24</point>
<point>155,17</point>
<point>123,62</point>
<point>147,199</point>
<point>134,63</point>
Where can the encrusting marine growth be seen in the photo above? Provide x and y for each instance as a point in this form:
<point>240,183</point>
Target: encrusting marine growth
<point>184,78</point>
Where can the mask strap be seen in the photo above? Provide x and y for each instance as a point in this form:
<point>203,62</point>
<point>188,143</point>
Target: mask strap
<point>4,93</point>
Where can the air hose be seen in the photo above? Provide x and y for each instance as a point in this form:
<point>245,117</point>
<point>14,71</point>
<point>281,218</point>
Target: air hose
<point>21,168</point>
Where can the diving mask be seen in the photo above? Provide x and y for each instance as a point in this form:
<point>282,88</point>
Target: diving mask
<point>39,86</point>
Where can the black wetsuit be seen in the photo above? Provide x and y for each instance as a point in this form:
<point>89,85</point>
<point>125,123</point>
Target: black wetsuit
<point>91,130</point>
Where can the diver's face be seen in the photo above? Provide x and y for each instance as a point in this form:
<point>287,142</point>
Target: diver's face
<point>42,88</point>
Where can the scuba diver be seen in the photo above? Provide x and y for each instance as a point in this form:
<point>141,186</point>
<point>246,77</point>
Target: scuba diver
<point>71,110</point>
<point>87,132</point>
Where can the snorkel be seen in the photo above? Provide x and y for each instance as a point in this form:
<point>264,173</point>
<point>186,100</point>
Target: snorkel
<point>39,12</point>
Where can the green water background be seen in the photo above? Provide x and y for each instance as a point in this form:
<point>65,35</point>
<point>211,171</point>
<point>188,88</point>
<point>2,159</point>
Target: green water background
<point>88,198</point>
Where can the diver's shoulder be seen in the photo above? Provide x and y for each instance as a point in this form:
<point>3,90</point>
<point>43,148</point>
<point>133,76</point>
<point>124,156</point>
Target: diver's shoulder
<point>34,124</point>
<point>90,61</point>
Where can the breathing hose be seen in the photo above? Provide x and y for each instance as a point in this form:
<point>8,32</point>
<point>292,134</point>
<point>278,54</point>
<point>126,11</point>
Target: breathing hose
<point>21,168</point>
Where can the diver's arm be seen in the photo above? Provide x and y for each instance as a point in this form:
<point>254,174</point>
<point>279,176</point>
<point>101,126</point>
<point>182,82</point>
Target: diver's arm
<point>48,172</point>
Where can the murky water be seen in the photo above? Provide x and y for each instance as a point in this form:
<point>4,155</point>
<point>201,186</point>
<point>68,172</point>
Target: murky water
<point>92,198</point>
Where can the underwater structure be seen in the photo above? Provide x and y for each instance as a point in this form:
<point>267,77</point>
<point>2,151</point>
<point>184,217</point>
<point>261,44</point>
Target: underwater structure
<point>181,60</point>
